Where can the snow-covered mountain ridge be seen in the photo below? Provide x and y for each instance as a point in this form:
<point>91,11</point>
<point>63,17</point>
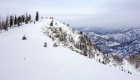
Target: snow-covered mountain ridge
<point>29,60</point>
<point>78,41</point>
<point>120,41</point>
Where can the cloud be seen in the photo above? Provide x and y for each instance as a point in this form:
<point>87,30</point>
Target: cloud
<point>102,13</point>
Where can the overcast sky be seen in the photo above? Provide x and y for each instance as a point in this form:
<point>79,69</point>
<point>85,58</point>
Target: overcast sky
<point>79,13</point>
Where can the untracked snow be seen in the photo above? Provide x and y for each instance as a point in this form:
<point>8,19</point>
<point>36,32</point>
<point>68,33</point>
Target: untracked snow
<point>30,60</point>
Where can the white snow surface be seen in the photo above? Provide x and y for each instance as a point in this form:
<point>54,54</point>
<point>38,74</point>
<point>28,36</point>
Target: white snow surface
<point>30,60</point>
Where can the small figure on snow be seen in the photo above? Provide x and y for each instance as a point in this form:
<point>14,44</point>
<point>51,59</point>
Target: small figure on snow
<point>34,22</point>
<point>45,44</point>
<point>24,38</point>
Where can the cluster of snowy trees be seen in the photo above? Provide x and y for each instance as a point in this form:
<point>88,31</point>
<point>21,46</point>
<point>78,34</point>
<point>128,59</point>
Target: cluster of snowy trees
<point>134,59</point>
<point>84,46</point>
<point>14,21</point>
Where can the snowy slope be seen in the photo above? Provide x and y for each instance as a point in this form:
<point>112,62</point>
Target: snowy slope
<point>29,60</point>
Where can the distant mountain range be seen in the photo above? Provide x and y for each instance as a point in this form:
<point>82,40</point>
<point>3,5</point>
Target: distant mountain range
<point>122,41</point>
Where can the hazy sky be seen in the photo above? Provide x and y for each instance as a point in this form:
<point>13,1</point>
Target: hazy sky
<point>79,13</point>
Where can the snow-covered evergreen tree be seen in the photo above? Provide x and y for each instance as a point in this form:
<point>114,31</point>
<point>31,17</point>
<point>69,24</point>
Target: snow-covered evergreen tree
<point>15,20</point>
<point>26,19</point>
<point>11,21</point>
<point>0,23</point>
<point>51,24</point>
<point>37,16</point>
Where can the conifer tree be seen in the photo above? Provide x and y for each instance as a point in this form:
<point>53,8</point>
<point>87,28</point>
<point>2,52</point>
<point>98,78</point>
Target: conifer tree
<point>11,21</point>
<point>51,24</point>
<point>37,16</point>
<point>26,20</point>
<point>68,25</point>
<point>29,18</point>
<point>15,21</point>
<point>19,20</point>
<point>23,18</point>
<point>85,51</point>
<point>6,24</point>
<point>0,23</point>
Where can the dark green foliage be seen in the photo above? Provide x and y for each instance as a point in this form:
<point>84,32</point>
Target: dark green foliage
<point>85,52</point>
<point>23,18</point>
<point>11,21</point>
<point>103,62</point>
<point>55,45</point>
<point>19,20</point>
<point>81,32</point>
<point>51,24</point>
<point>4,27</point>
<point>24,38</point>
<point>26,20</point>
<point>45,44</point>
<point>99,60</point>
<point>60,29</point>
<point>68,25</point>
<point>37,16</point>
<point>80,45</point>
<point>15,21</point>
<point>6,24</point>
<point>51,18</point>
<point>0,23</point>
<point>29,18</point>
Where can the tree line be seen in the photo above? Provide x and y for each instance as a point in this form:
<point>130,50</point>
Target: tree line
<point>16,21</point>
